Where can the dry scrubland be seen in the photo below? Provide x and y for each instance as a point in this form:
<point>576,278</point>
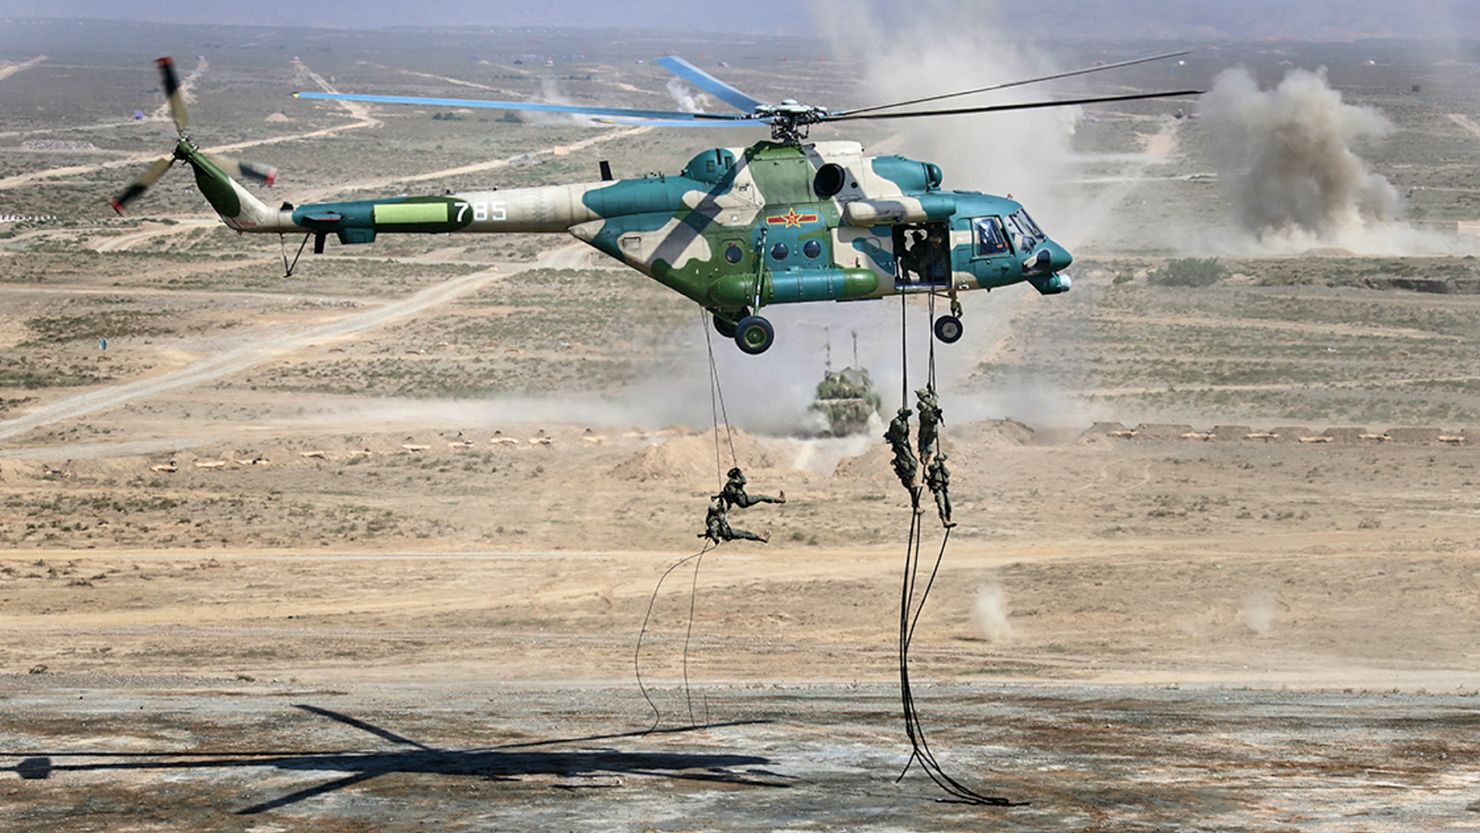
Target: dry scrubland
<point>423,489</point>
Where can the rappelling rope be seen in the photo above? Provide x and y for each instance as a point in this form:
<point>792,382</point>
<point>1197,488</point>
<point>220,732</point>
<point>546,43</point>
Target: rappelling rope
<point>910,610</point>
<point>688,694</point>
<point>698,558</point>
<point>719,415</point>
<point>717,404</point>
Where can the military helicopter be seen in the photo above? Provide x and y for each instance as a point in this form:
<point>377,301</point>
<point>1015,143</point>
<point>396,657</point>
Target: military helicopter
<point>782,221</point>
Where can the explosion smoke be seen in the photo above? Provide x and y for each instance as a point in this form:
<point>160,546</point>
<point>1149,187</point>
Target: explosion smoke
<point>1287,157</point>
<point>684,98</point>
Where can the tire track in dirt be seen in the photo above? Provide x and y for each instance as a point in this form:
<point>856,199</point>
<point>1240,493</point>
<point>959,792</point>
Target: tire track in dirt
<point>12,69</point>
<point>361,119</point>
<point>259,347</point>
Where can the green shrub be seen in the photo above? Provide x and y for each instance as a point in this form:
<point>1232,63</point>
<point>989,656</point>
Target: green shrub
<point>1188,272</point>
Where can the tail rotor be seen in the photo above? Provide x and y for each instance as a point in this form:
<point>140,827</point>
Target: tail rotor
<point>137,188</point>
<point>185,149</point>
<point>172,93</point>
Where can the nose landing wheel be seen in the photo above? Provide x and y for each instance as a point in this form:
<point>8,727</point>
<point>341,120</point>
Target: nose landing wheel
<point>948,329</point>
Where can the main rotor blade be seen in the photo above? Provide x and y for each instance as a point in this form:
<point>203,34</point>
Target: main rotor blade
<point>529,106</point>
<point>708,83</point>
<point>725,123</point>
<point>136,188</point>
<point>172,93</point>
<point>1001,108</point>
<point>1041,79</point>
<point>238,169</point>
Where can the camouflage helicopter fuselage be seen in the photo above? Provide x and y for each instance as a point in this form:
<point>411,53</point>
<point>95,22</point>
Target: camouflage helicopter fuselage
<point>737,229</point>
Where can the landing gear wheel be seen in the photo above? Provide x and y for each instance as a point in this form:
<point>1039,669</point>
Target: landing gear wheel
<point>948,329</point>
<point>754,335</point>
<point>724,325</point>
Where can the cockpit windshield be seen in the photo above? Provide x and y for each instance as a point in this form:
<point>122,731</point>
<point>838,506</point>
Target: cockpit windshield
<point>1024,231</point>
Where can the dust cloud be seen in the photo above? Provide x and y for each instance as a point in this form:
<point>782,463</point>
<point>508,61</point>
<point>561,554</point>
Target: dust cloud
<point>1258,613</point>
<point>1289,161</point>
<point>989,614</point>
<point>685,99</point>
<point>910,55</point>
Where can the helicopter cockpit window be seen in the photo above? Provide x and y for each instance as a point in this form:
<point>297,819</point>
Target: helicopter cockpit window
<point>1029,224</point>
<point>1025,233</point>
<point>990,239</point>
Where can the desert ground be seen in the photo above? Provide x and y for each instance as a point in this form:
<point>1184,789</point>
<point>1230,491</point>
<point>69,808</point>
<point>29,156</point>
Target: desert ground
<point>370,547</point>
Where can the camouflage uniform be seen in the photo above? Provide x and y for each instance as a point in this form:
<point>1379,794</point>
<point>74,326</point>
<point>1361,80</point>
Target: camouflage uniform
<point>935,258</point>
<point>718,530</point>
<point>914,258</point>
<point>733,494</point>
<point>938,478</point>
<point>930,420</point>
<point>905,464</point>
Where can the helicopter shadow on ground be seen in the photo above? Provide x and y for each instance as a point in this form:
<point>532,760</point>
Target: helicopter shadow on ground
<point>507,762</point>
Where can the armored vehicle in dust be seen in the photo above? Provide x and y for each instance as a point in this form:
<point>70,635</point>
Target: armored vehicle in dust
<point>846,402</point>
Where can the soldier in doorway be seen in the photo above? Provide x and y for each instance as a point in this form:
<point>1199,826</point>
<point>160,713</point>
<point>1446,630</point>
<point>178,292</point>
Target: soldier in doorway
<point>915,257</point>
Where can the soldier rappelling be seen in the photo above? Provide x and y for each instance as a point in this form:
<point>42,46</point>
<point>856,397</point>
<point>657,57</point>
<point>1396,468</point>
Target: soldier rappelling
<point>938,478</point>
<point>734,494</point>
<point>906,466</point>
<point>930,421</point>
<point>718,530</point>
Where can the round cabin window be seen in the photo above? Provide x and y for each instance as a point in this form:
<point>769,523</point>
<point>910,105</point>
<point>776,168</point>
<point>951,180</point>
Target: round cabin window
<point>733,254</point>
<point>812,249</point>
<point>779,251</point>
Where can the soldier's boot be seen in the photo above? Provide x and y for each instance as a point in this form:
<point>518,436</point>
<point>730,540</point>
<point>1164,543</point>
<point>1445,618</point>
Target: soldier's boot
<point>781,497</point>
<point>943,506</point>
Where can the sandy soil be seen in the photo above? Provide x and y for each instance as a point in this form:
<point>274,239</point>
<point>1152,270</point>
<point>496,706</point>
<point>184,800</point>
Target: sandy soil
<point>370,549</point>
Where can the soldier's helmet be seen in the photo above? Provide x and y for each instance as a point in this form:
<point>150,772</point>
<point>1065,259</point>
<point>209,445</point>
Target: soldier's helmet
<point>905,412</point>
<point>734,472</point>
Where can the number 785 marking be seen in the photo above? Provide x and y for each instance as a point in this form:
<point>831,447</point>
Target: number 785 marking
<point>493,210</point>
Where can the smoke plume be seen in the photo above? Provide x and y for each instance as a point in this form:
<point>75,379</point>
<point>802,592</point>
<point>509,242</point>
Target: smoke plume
<point>1288,159</point>
<point>684,98</point>
<point>1258,612</point>
<point>989,614</point>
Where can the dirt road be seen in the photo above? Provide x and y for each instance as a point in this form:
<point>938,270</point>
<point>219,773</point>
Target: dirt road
<point>251,350</point>
<point>361,119</point>
<point>11,69</point>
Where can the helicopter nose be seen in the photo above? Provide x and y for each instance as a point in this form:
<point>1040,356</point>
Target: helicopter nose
<point>1059,258</point>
